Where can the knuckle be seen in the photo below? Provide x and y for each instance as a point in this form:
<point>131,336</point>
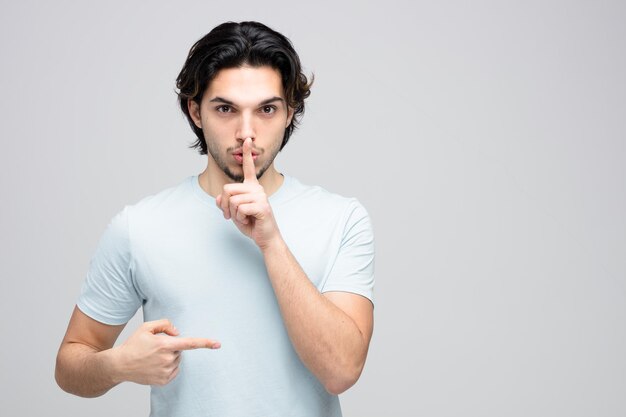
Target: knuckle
<point>161,343</point>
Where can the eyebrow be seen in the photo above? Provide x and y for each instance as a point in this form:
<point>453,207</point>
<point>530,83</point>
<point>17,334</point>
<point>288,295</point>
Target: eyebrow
<point>264,102</point>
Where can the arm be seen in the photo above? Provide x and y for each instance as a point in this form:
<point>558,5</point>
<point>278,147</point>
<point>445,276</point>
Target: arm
<point>84,365</point>
<point>88,365</point>
<point>330,332</point>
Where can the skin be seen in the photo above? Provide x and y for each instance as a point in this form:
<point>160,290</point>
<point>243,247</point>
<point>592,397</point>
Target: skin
<point>243,112</point>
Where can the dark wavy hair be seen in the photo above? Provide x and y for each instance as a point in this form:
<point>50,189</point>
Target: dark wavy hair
<point>232,45</point>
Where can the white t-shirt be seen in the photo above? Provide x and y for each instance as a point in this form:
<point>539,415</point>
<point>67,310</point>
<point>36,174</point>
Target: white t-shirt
<point>174,254</point>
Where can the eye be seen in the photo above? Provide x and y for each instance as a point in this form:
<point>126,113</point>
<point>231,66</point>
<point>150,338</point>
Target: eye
<point>224,108</point>
<point>268,109</point>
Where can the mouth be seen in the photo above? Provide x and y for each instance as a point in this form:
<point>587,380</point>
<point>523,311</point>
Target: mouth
<point>238,155</point>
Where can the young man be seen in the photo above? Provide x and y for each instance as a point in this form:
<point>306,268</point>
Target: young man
<point>268,281</point>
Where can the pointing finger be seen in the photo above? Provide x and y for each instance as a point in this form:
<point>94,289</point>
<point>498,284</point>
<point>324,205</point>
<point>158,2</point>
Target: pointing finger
<point>188,343</point>
<point>249,170</point>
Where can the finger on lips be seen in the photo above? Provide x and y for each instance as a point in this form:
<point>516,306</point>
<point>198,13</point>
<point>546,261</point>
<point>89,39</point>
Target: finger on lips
<point>235,194</point>
<point>249,170</point>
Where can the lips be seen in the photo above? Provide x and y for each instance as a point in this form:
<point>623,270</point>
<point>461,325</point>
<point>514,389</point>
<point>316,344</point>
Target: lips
<point>240,152</point>
<point>238,155</point>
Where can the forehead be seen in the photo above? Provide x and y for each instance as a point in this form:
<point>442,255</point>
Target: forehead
<point>246,85</point>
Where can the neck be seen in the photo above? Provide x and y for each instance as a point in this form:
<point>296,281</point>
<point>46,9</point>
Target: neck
<point>213,179</point>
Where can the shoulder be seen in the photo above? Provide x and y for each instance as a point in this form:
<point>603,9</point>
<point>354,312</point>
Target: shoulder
<point>298,192</point>
<point>318,201</point>
<point>166,201</point>
<point>152,210</point>
<point>165,197</point>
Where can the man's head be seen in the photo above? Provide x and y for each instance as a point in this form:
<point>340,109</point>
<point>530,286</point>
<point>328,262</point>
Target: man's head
<point>240,103</point>
<point>235,45</point>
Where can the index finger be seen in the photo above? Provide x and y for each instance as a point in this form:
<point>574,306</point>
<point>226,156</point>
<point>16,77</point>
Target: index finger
<point>188,343</point>
<point>249,170</point>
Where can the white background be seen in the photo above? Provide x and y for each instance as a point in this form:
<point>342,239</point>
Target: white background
<point>487,139</point>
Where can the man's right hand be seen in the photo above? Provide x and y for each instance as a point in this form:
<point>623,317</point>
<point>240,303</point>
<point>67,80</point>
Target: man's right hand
<point>151,355</point>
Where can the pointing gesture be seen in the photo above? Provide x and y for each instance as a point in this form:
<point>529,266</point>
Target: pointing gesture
<point>151,355</point>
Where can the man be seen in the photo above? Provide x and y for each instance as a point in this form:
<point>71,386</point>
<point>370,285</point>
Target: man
<point>278,275</point>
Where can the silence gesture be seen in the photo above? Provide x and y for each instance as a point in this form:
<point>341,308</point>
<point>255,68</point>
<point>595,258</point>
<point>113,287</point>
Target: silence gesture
<point>247,205</point>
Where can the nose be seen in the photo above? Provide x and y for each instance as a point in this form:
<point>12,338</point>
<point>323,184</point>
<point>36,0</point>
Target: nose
<point>246,128</point>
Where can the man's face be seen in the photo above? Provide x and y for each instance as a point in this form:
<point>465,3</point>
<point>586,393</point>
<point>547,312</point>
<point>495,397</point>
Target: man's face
<point>242,103</point>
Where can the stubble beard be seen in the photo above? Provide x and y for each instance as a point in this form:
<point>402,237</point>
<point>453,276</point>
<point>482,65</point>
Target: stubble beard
<point>221,163</point>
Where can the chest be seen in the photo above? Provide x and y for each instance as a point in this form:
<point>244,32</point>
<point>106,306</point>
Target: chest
<point>209,263</point>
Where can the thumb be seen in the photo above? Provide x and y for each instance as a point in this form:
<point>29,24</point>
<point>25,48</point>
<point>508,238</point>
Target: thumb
<point>161,326</point>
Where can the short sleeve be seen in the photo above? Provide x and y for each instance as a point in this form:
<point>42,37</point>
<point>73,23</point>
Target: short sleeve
<point>109,294</point>
<point>353,268</point>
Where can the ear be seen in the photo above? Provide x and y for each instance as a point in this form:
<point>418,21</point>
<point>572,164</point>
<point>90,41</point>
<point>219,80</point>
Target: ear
<point>194,112</point>
<point>290,112</point>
